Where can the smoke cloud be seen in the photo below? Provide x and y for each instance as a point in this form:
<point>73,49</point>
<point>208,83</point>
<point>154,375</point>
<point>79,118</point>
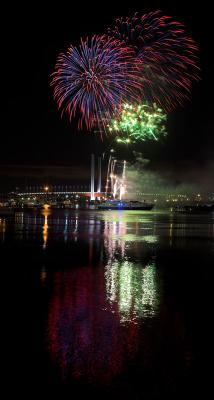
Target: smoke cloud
<point>185,180</point>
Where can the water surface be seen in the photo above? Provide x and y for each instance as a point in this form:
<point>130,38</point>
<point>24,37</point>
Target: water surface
<point>114,304</point>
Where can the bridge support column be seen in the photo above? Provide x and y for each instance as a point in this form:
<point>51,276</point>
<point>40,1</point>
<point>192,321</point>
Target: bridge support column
<point>99,185</point>
<point>92,177</point>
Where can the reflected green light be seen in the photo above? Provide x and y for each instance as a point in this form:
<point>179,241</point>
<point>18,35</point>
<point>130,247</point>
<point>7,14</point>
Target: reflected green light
<point>125,290</point>
<point>134,238</point>
<point>133,288</point>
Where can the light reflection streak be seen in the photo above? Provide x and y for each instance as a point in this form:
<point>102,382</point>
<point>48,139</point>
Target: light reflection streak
<point>19,225</point>
<point>133,288</point>
<point>43,275</point>
<point>65,232</point>
<point>46,212</point>
<point>75,232</point>
<point>2,228</point>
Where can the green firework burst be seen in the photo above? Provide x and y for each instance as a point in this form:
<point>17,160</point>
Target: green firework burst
<point>139,123</point>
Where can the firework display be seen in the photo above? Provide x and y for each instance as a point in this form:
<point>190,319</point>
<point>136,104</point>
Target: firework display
<point>168,56</point>
<point>147,59</point>
<point>139,123</point>
<point>94,78</point>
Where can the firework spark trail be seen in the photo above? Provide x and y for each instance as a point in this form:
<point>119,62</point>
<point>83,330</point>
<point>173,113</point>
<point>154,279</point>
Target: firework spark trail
<point>94,79</point>
<point>168,56</point>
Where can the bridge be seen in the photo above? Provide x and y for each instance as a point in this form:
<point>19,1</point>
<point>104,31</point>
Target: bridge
<point>49,194</point>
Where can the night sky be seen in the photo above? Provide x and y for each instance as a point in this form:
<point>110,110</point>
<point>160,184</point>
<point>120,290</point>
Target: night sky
<point>33,133</point>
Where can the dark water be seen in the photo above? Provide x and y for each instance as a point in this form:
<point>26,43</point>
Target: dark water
<point>111,304</point>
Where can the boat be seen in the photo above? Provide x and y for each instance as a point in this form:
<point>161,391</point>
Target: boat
<point>125,205</point>
<point>196,208</point>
